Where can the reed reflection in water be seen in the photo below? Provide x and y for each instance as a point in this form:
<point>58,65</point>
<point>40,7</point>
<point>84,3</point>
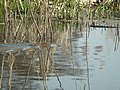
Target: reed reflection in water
<point>25,66</point>
<point>64,67</point>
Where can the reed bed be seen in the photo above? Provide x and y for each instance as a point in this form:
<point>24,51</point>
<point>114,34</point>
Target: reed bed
<point>36,17</point>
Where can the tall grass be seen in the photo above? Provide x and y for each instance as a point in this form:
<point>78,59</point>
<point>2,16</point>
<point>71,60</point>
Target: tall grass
<point>14,14</point>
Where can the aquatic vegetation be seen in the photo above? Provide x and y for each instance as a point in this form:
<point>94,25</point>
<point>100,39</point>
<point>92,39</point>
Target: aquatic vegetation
<point>36,17</point>
<point>54,24</point>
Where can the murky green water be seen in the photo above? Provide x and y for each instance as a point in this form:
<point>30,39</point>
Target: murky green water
<point>67,66</point>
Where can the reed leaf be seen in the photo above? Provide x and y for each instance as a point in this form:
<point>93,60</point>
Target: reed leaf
<point>21,4</point>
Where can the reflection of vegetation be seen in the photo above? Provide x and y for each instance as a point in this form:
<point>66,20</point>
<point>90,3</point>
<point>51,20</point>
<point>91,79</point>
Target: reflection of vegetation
<point>10,57</point>
<point>38,60</point>
<point>31,21</point>
<point>2,68</point>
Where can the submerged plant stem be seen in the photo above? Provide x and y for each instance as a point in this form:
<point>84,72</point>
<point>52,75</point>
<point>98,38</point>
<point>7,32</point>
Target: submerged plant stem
<point>87,30</point>
<point>2,68</point>
<point>11,58</point>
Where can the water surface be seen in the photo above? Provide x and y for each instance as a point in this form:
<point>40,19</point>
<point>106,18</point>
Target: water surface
<point>67,67</point>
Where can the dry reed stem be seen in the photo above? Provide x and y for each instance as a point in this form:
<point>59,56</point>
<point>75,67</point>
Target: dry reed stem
<point>33,18</point>
<point>6,21</point>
